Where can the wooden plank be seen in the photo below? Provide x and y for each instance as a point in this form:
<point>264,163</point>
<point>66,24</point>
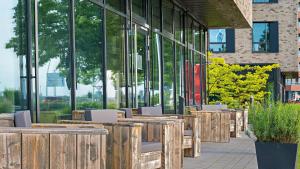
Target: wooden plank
<point>125,147</point>
<point>117,147</point>
<point>78,115</point>
<point>135,149</point>
<point>89,151</point>
<point>35,151</point>
<point>103,152</point>
<point>151,160</point>
<point>109,147</point>
<point>10,151</point>
<point>62,151</point>
<point>206,127</point>
<point>215,127</point>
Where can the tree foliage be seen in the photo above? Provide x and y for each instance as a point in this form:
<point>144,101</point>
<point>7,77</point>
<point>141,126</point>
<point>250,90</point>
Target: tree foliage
<point>235,84</point>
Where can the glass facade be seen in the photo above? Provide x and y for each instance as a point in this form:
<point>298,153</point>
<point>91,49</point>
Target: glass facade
<point>92,55</point>
<point>13,76</point>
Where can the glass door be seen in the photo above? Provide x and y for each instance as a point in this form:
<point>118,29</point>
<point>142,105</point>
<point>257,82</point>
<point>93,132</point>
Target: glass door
<point>139,66</point>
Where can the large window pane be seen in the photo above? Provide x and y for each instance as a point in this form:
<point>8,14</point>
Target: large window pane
<point>115,75</point>
<point>54,60</point>
<point>196,37</point>
<point>189,78</point>
<point>178,22</point>
<point>156,14</point>
<point>179,74</point>
<point>167,16</point>
<point>155,71</point>
<point>139,7</point>
<point>13,56</point>
<point>261,37</point>
<point>189,30</point>
<point>89,54</point>
<point>168,76</point>
<point>117,4</point>
<point>217,40</point>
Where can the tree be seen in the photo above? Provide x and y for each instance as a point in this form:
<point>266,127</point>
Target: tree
<point>235,84</point>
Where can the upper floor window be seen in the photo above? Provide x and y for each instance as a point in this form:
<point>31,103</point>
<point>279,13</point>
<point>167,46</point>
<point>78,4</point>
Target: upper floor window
<point>221,40</point>
<point>265,1</point>
<point>265,37</point>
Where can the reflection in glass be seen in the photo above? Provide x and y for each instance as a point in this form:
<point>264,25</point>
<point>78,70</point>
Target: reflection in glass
<point>117,4</point>
<point>189,30</point>
<point>89,52</point>
<point>167,16</point>
<point>54,61</point>
<point>196,33</point>
<point>139,70</point>
<point>155,70</point>
<point>197,77</point>
<point>13,56</point>
<point>179,74</point>
<point>217,47</point>
<point>261,37</point>
<point>115,75</point>
<point>178,24</point>
<point>168,76</point>
<point>156,14</point>
<point>189,78</point>
<point>203,41</point>
<point>217,40</point>
<point>139,7</point>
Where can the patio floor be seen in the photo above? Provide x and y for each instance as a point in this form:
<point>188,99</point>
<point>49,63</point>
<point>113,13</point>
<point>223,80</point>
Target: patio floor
<point>238,154</point>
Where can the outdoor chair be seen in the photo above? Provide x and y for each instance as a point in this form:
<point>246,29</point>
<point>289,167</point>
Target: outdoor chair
<point>55,146</point>
<point>125,146</point>
<point>191,128</point>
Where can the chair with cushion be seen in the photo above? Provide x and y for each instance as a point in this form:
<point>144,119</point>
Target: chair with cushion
<point>125,146</point>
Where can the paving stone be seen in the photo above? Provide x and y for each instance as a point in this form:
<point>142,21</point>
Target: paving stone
<point>238,154</point>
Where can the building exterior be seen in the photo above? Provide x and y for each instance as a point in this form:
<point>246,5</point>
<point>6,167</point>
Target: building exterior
<point>293,84</point>
<point>272,40</point>
<point>58,56</point>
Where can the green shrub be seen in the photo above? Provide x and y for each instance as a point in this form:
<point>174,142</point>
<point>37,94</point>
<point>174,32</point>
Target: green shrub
<point>276,122</point>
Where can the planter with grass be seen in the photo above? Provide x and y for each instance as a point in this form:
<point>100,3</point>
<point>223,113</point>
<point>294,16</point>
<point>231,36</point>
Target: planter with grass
<point>276,127</point>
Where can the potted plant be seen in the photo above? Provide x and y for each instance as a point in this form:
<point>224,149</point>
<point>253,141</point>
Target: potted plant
<point>276,127</point>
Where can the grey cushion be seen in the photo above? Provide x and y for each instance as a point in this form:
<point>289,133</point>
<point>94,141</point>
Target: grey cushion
<point>214,107</point>
<point>23,119</point>
<point>188,132</point>
<point>128,112</point>
<point>102,116</point>
<point>152,111</point>
<point>151,146</point>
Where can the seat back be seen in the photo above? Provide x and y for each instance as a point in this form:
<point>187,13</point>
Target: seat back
<point>23,119</point>
<point>152,111</point>
<point>128,112</point>
<point>102,116</point>
<point>214,107</point>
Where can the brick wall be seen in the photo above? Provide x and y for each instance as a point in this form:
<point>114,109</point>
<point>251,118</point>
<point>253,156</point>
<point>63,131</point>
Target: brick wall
<point>285,12</point>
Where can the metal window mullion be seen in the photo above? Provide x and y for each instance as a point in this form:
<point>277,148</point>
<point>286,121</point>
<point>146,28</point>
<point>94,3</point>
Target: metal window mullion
<point>28,23</point>
<point>72,52</point>
<point>36,64</point>
<point>174,62</point>
<point>104,66</point>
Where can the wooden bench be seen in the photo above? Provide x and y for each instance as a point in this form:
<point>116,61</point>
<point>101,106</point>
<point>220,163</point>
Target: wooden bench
<point>52,148</point>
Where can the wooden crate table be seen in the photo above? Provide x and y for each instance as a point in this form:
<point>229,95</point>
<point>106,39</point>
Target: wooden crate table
<point>215,126</point>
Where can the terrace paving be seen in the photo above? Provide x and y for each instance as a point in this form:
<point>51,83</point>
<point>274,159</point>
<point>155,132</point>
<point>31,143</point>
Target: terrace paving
<point>238,154</point>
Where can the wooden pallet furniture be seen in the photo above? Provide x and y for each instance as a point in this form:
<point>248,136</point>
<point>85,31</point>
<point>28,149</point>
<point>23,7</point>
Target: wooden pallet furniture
<point>125,148</point>
<point>192,128</point>
<point>167,132</point>
<point>215,126</point>
<point>52,148</point>
<point>50,145</point>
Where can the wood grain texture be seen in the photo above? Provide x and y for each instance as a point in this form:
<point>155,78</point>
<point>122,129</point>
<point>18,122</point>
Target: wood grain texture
<point>10,150</point>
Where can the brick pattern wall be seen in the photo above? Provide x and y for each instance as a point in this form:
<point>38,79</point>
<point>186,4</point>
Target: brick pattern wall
<point>285,12</point>
<point>245,6</point>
